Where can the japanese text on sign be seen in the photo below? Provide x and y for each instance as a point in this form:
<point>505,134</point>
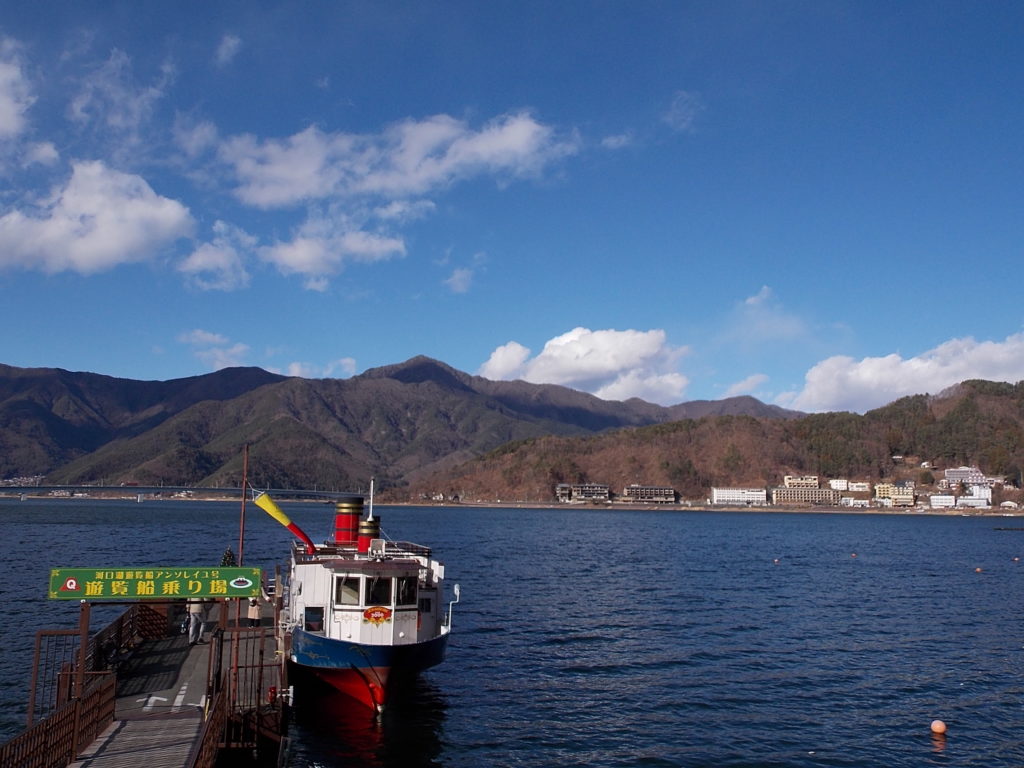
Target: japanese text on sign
<point>139,583</point>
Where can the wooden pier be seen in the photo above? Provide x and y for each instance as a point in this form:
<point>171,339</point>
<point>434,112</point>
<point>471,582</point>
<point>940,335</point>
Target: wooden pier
<point>137,694</point>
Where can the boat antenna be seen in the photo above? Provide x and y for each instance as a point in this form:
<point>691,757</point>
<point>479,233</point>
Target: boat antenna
<point>369,516</point>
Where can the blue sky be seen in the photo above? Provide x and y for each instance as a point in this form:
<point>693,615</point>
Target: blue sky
<point>815,203</point>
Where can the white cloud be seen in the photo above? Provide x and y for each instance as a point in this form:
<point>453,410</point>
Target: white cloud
<point>302,370</point>
<point>460,280</point>
<point>366,184</point>
<point>618,141</point>
<point>409,158</point>
<point>747,385</point>
<point>841,383</point>
<point>761,297</point>
<point>684,110</point>
<point>110,99</point>
<point>194,138</point>
<point>761,319</point>
<point>607,363</point>
<point>214,349</point>
<point>318,257</point>
<point>102,218</point>
<point>15,92</point>
<point>229,47</point>
<point>342,368</point>
<point>404,210</point>
<point>306,166</point>
<point>505,362</point>
<point>224,357</point>
<point>201,338</point>
<point>663,388</point>
<point>42,153</point>
<point>325,243</point>
<point>219,264</point>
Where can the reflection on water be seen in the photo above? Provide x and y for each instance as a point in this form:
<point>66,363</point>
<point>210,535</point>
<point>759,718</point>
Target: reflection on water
<point>329,729</point>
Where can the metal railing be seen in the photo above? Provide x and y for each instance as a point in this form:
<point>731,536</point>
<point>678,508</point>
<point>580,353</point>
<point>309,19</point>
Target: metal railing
<point>54,741</point>
<point>245,712</point>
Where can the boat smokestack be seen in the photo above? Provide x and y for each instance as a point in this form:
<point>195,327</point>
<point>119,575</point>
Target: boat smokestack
<point>346,520</point>
<point>368,529</point>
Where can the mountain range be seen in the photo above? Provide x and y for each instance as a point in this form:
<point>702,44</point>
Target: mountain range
<point>396,423</point>
<point>421,427</point>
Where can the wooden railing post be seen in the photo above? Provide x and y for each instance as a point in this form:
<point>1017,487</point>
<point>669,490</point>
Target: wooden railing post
<point>83,648</point>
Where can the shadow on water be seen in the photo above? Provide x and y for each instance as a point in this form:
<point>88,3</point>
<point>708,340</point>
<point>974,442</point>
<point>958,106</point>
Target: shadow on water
<point>328,729</point>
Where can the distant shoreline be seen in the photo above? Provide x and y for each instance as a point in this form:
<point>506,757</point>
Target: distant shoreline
<point>610,506</point>
<point>766,509</point>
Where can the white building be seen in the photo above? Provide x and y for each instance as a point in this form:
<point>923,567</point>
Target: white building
<point>966,475</point>
<point>750,497</point>
<point>972,503</point>
<point>839,484</point>
<point>859,487</point>
<point>942,501</point>
<point>849,501</point>
<point>980,492</point>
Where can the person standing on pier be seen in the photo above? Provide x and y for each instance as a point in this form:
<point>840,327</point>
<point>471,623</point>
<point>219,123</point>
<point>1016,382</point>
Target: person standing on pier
<point>255,607</point>
<point>196,609</point>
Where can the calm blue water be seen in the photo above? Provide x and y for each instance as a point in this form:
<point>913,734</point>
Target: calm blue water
<point>630,638</point>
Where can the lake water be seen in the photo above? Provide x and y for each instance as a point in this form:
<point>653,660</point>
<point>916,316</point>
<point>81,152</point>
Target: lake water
<point>628,638</point>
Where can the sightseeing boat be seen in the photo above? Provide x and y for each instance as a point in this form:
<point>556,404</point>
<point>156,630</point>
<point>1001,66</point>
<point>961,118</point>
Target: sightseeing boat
<point>361,612</point>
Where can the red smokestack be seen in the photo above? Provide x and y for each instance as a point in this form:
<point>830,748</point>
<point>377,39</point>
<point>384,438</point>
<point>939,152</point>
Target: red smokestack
<point>346,521</point>
<point>368,529</point>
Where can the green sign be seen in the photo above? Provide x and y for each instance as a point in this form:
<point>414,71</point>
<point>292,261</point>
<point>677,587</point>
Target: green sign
<point>153,583</point>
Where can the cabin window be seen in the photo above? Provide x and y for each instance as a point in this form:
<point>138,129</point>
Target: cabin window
<point>378,590</point>
<point>406,594</point>
<point>346,590</point>
<point>313,621</point>
<point>426,605</point>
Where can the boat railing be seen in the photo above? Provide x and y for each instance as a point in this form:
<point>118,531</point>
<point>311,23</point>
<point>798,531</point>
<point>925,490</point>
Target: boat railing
<point>391,549</point>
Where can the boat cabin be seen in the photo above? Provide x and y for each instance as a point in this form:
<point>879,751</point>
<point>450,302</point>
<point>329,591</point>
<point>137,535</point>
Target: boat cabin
<point>388,596</point>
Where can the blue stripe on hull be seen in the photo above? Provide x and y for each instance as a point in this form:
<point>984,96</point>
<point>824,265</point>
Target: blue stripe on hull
<point>318,652</point>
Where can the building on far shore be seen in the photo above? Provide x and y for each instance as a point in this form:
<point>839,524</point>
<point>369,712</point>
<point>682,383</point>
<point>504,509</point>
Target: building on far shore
<point>649,494</point>
<point>965,475</point>
<point>805,496</point>
<point>580,492</point>
<point>800,481</point>
<point>895,494</point>
<point>744,497</point>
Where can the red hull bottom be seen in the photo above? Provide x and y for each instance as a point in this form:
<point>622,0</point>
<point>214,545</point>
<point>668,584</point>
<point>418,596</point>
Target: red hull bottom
<point>367,686</point>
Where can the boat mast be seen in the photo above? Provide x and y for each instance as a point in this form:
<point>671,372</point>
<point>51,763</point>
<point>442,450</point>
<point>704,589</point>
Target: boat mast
<point>369,515</point>
<point>241,521</point>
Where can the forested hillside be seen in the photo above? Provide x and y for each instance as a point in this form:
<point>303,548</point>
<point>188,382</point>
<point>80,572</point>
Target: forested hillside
<point>977,422</point>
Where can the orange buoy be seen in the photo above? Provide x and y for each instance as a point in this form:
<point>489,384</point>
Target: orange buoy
<point>977,570</point>
<point>938,726</point>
